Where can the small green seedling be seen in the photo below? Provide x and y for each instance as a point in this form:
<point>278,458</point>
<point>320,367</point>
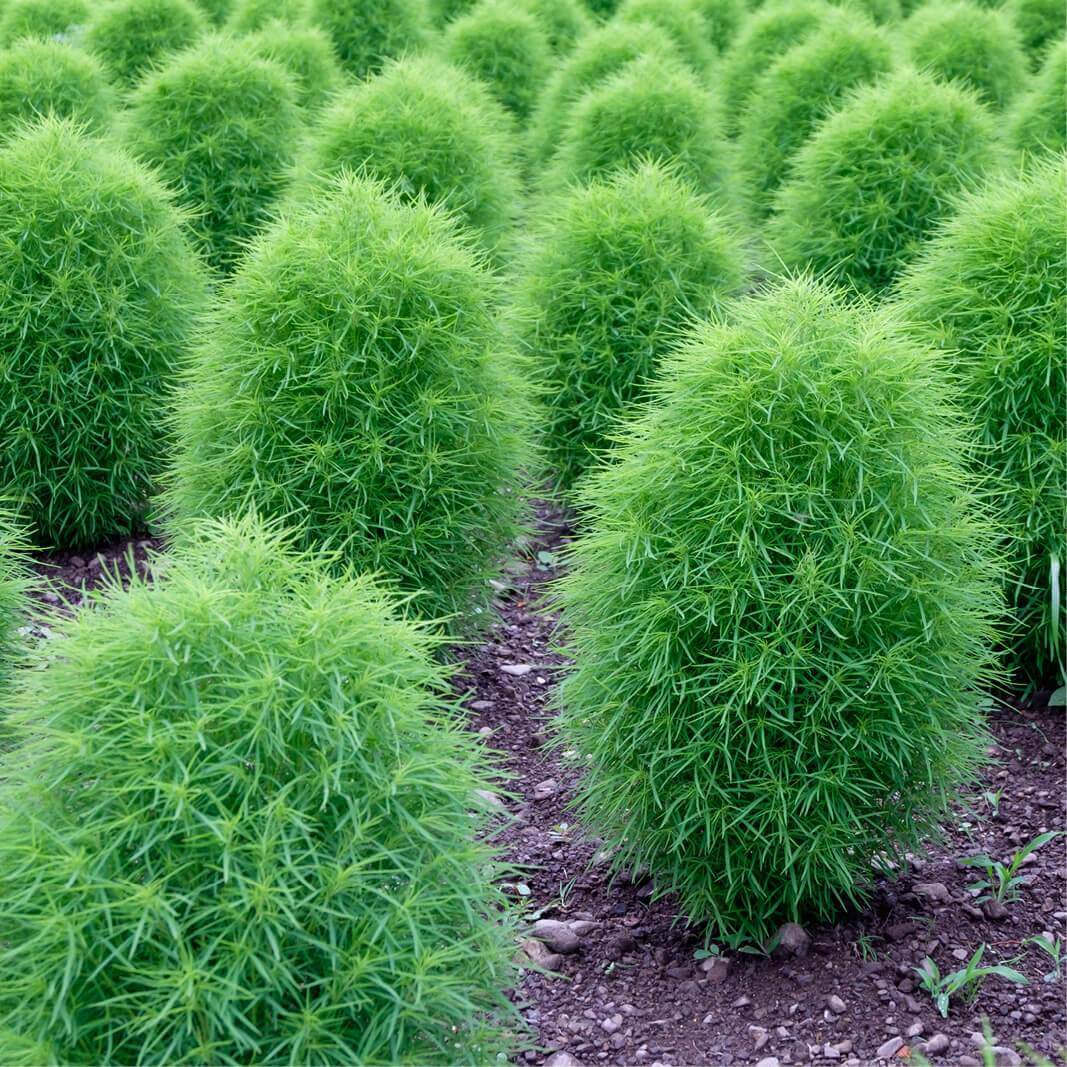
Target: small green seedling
<point>1002,881</point>
<point>865,949</point>
<point>964,983</point>
<point>1053,948</point>
<point>993,801</point>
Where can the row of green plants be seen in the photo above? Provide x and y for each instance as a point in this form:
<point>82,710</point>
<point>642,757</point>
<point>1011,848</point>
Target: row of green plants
<point>327,334</point>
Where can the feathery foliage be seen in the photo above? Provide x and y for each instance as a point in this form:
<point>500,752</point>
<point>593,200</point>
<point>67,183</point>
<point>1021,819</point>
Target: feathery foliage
<point>564,22</point>
<point>429,130</point>
<point>216,11</point>
<point>221,124</point>
<point>991,289</point>
<point>53,78</point>
<point>99,292</point>
<point>40,18</point>
<point>791,98</point>
<point>306,53</point>
<point>724,18</point>
<point>248,16</point>
<point>617,269</point>
<point>14,580</point>
<point>872,181</point>
<point>365,33</point>
<point>132,36</point>
<point>354,382</point>
<point>506,48</point>
<point>1038,121</point>
<point>975,45</point>
<point>781,612</point>
<point>682,22</point>
<point>883,12</point>
<point>1040,22</point>
<point>653,109</point>
<point>603,52</point>
<point>240,827</point>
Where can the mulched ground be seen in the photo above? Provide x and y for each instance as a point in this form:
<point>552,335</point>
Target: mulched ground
<point>629,988</point>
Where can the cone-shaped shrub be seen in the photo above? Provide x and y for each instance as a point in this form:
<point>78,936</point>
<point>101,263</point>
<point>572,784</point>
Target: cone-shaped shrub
<point>247,16</point>
<point>974,45</point>
<point>780,614</point>
<point>682,22</point>
<point>652,109</point>
<point>603,52</point>
<point>132,36</point>
<point>991,289</point>
<point>99,291</point>
<point>431,131</point>
<point>1040,22</point>
<point>40,18</point>
<point>792,97</point>
<point>1038,122</point>
<point>306,53</point>
<point>248,785</point>
<point>221,125</point>
<point>506,48</point>
<point>617,270</point>
<point>724,19</point>
<point>869,185</point>
<point>365,33</point>
<point>53,78</point>
<point>13,583</point>
<point>355,384</point>
<point>765,37</point>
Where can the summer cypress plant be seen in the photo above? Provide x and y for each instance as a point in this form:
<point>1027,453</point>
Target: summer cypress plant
<point>991,289</point>
<point>874,179</point>
<point>563,21</point>
<point>724,18</point>
<point>250,785</point>
<point>13,586</point>
<point>780,614</point>
<point>1040,22</point>
<point>1038,121</point>
<point>883,12</point>
<point>682,22</point>
<point>53,78</point>
<point>306,53</point>
<point>506,48</point>
<point>617,269</point>
<point>366,33</point>
<point>221,124</point>
<point>247,16</point>
<point>975,45</point>
<point>100,291</point>
<point>792,97</point>
<point>430,130</point>
<point>40,18</point>
<point>216,11</point>
<point>132,36</point>
<point>354,382</point>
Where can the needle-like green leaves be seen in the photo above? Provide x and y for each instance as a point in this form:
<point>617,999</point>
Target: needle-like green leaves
<point>40,18</point>
<point>366,33</point>
<point>1038,122</point>
<point>13,582</point>
<point>306,53</point>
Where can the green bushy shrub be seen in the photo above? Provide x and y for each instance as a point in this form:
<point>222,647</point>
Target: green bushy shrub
<point>883,12</point>
<point>248,16</point>
<point>563,21</point>
<point>13,585</point>
<point>780,614</point>
<point>724,19</point>
<point>306,53</point>
<point>506,48</point>
<point>971,44</point>
<point>602,52</point>
<point>1040,22</point>
<point>652,109</point>
<point>40,18</point>
<point>602,8</point>
<point>616,270</point>
<point>242,826</point>
<point>797,91</point>
<point>365,33</point>
<point>1038,121</point>
<point>216,11</point>
<point>991,289</point>
<point>429,130</point>
<point>767,35</point>
<point>53,78</point>
<point>99,294</point>
<point>354,381</point>
<point>682,22</point>
<point>221,125</point>
<point>132,36</point>
<point>867,188</point>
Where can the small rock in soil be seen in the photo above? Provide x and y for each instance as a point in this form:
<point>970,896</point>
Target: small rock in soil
<point>544,790</point>
<point>768,1061</point>
<point>937,1043</point>
<point>582,926</point>
<point>835,1004</point>
<point>935,892</point>
<point>539,953</point>
<point>716,968</point>
<point>558,936</point>
<point>562,1059</point>
<point>793,940</point>
<point>516,669</point>
<point>994,910</point>
<point>890,1048</point>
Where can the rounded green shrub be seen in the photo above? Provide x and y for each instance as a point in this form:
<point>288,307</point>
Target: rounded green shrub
<point>132,36</point>
<point>652,109</point>
<point>974,45</point>
<point>796,93</point>
<point>883,12</point>
<point>13,585</point>
<point>365,33</point>
<point>216,11</point>
<point>564,22</point>
<point>306,53</point>
<point>991,289</point>
<point>245,824</point>
<point>355,383</point>
<point>430,131</point>
<point>247,16</point>
<point>873,180</point>
<point>617,269</point>
<point>40,18</point>
<point>780,614</point>
<point>100,292</point>
<point>602,8</point>
<point>724,19</point>
<point>221,125</point>
<point>682,22</point>
<point>602,52</point>
<point>1040,22</point>
<point>53,78</point>
<point>767,35</point>
<point>1038,121</point>
<point>506,48</point>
